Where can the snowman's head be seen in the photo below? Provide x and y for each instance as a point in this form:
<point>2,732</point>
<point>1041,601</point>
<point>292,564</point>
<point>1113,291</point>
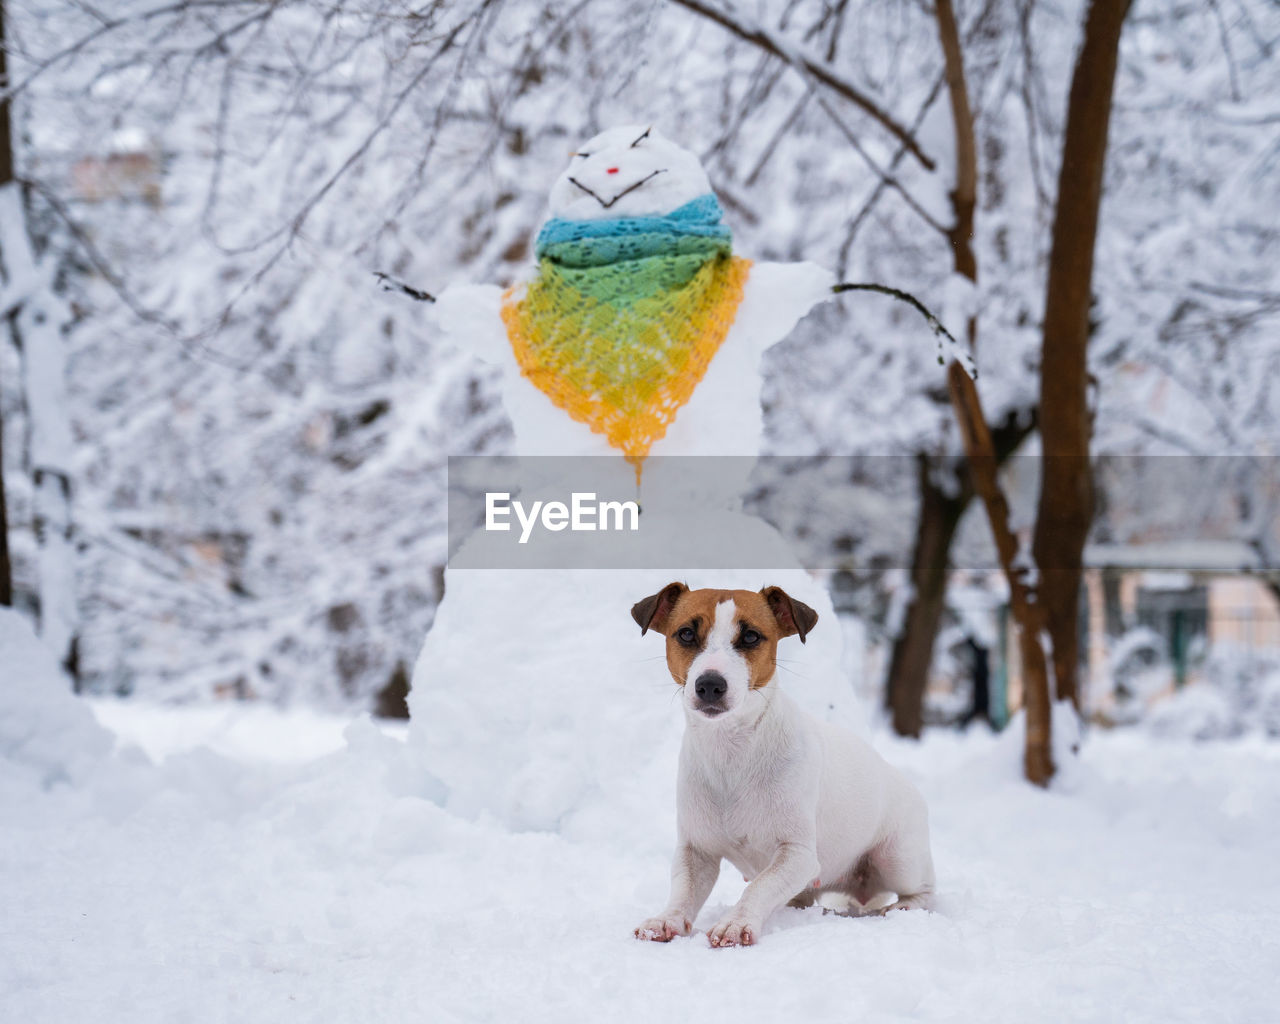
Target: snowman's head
<point>627,172</point>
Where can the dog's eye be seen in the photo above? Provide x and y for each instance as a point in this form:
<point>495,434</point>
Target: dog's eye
<point>686,635</point>
<point>750,638</point>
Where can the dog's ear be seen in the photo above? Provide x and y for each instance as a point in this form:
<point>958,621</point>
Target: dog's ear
<point>653,612</point>
<point>795,617</point>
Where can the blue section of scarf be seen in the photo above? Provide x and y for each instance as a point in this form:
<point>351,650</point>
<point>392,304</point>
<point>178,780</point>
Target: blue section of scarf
<point>594,243</point>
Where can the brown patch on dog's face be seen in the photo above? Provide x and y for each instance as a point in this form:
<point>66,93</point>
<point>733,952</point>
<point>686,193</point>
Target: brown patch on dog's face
<point>690,626</point>
<point>755,637</point>
<point>689,617</point>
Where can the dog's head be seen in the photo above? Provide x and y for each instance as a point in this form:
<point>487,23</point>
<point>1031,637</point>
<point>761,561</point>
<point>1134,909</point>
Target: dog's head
<point>722,645</point>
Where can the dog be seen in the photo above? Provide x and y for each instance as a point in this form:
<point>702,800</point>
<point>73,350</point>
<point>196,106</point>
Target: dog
<point>801,807</point>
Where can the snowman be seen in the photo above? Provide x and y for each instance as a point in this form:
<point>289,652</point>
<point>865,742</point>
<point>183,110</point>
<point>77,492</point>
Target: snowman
<point>638,334</point>
<point>630,194</point>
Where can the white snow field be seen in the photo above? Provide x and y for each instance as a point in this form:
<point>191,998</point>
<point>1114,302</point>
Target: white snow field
<point>267,884</point>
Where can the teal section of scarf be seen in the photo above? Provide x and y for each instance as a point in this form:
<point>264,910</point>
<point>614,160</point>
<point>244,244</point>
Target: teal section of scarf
<point>625,259</point>
<point>586,243</point>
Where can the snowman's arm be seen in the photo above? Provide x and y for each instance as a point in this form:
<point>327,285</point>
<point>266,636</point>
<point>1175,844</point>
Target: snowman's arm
<point>948,348</point>
<point>394,284</point>
<point>934,323</point>
<point>777,295</point>
<point>468,315</point>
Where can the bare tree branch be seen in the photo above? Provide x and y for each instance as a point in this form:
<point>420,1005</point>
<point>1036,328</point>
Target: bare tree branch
<point>1243,294</point>
<point>818,69</point>
<point>1224,38</point>
<point>883,184</point>
<point>295,223</point>
<point>106,27</point>
<point>885,177</point>
<point>1030,106</point>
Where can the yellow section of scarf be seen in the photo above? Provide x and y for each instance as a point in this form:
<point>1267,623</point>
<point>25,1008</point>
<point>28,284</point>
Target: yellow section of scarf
<point>624,369</point>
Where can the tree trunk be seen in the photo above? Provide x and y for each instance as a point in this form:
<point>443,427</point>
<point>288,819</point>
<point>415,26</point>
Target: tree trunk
<point>37,321</point>
<point>936,526</point>
<point>37,317</point>
<point>1066,490</point>
<point>1112,607</point>
<point>978,446</point>
<point>6,123</point>
<point>6,176</point>
<point>6,569</point>
<point>940,514</point>
<point>1028,614</point>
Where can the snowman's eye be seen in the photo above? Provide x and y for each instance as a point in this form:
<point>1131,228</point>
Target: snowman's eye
<point>583,155</point>
<point>642,137</point>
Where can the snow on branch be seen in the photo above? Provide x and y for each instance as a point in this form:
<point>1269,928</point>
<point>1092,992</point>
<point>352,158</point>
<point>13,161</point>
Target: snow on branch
<point>742,27</point>
<point>22,273</point>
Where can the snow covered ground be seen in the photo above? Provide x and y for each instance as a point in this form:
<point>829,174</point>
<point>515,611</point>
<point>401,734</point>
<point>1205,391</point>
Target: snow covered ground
<point>285,867</point>
<point>249,732</point>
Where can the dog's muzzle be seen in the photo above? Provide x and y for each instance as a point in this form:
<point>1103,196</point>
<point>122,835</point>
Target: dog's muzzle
<point>710,688</point>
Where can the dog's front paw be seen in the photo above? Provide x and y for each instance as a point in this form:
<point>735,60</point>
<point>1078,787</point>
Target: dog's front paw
<point>733,931</point>
<point>664,928</point>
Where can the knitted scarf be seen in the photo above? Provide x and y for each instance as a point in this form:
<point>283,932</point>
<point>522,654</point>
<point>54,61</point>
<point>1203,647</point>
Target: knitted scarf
<point>624,316</point>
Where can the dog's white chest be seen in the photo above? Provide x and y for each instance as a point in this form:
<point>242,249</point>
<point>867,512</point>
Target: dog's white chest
<point>744,822</point>
<point>740,838</point>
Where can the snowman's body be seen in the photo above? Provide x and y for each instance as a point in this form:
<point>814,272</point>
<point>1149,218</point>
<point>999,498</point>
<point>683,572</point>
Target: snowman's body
<point>533,688</point>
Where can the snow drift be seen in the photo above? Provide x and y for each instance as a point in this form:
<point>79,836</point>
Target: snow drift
<point>44,729</point>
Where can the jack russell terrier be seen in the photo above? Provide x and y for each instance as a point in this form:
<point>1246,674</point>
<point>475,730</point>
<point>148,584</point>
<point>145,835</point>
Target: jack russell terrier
<point>799,806</point>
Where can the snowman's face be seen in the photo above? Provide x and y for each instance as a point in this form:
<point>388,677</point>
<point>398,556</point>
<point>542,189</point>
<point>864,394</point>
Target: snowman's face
<point>627,172</point>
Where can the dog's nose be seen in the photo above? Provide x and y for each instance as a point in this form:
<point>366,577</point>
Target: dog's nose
<point>710,686</point>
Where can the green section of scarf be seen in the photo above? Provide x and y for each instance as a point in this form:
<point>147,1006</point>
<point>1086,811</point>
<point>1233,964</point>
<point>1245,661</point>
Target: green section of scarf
<point>625,316</point>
